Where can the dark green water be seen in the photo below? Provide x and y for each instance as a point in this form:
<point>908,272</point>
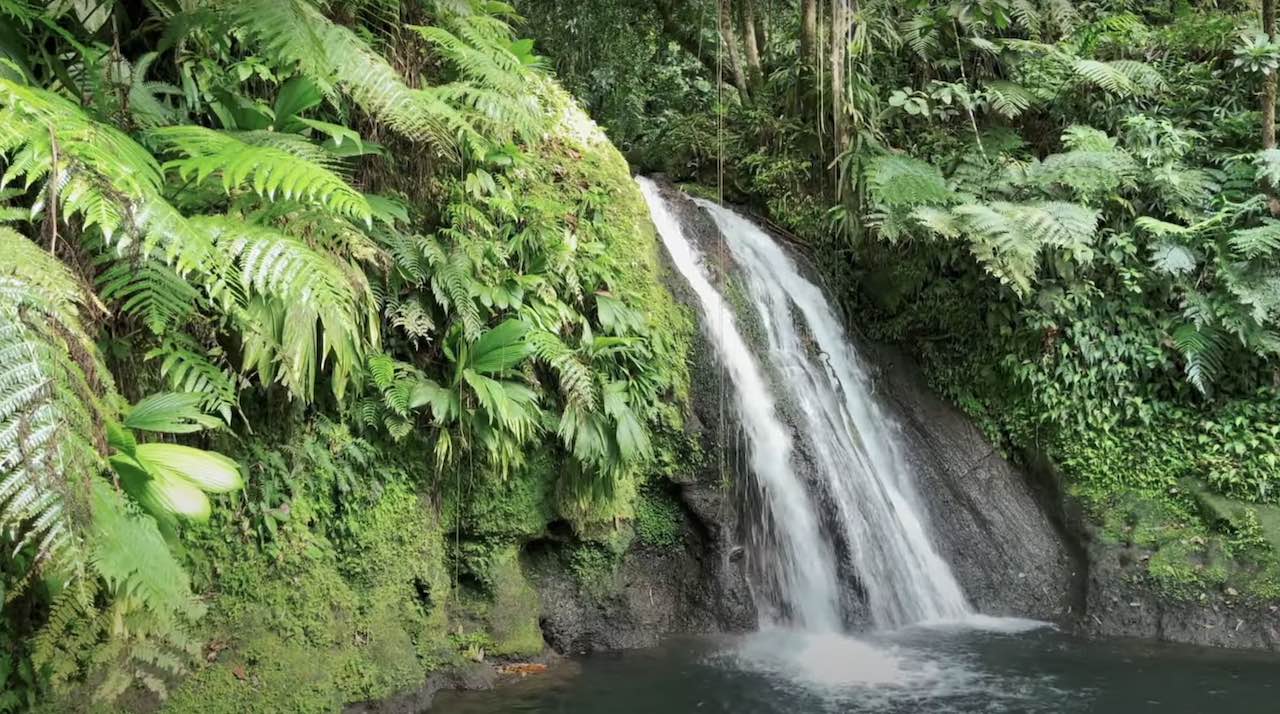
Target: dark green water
<point>921,670</point>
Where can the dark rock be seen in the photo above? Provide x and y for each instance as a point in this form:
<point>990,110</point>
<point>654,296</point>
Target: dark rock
<point>1122,602</point>
<point>1001,535</point>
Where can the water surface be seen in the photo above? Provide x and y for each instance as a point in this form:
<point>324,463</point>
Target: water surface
<point>1002,667</point>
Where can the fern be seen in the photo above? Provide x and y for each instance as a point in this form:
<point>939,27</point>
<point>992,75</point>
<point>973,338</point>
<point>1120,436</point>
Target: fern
<point>269,171</point>
<point>1009,100</point>
<point>1202,349</point>
<point>296,34</point>
<point>190,367</point>
<point>110,181</point>
<point>901,181</point>
<point>1008,238</point>
<point>52,413</point>
<point>151,291</point>
<point>452,284</point>
<point>577,381</point>
<point>1261,241</point>
<point>287,272</point>
<point>1087,173</point>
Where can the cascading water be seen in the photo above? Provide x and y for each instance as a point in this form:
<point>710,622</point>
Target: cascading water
<point>858,454</point>
<point>804,561</point>
<point>853,449</point>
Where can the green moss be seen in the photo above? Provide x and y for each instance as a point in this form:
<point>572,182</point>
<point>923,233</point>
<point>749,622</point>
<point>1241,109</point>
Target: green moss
<point>593,567</point>
<point>518,507</point>
<point>513,616</point>
<point>325,626</point>
<point>658,520</point>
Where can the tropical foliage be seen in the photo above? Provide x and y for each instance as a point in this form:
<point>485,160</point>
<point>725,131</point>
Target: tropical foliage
<point>209,208</point>
<point>1066,209</point>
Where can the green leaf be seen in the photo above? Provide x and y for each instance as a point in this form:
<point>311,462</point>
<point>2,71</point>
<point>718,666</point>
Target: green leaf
<point>208,470</point>
<point>170,413</point>
<point>501,348</point>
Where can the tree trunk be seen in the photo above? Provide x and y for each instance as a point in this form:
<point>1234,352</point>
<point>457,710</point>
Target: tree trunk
<point>730,37</point>
<point>1269,99</point>
<point>839,47</point>
<point>752,44</point>
<point>808,31</point>
<point>762,30</point>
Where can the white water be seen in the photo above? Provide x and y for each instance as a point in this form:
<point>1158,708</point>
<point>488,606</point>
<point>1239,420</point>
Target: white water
<point>804,558</point>
<point>853,448</point>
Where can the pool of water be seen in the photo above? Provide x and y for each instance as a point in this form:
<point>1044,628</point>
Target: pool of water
<point>977,666</point>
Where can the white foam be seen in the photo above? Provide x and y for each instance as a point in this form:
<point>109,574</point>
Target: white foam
<point>987,623</point>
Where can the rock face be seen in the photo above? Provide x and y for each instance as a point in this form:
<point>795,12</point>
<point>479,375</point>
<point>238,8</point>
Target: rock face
<point>1121,604</point>
<point>698,587</point>
<point>997,527</point>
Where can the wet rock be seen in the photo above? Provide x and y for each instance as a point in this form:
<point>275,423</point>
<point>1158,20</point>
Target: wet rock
<point>997,525</point>
<point>1213,620</point>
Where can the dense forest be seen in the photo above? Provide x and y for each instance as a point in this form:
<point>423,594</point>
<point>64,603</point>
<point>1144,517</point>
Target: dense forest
<point>1067,210</point>
<point>314,315</point>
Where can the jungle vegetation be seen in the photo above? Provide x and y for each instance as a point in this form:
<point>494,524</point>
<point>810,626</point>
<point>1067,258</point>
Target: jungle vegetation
<point>1065,210</point>
<point>272,271</point>
<point>312,313</point>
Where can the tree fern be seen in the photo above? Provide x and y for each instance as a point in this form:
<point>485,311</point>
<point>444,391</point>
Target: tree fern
<point>901,181</point>
<point>52,414</point>
<point>1007,238</point>
<point>1092,169</point>
<point>1009,99</point>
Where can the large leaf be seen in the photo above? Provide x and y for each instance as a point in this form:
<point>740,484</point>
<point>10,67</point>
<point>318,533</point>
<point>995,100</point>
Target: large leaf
<point>501,348</point>
<point>443,402</point>
<point>170,413</point>
<point>208,470</point>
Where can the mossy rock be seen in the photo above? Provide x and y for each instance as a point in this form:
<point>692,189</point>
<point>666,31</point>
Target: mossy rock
<point>513,616</point>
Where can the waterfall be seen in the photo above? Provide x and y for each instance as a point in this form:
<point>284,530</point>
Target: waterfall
<point>852,445</point>
<point>858,453</point>
<point>804,560</point>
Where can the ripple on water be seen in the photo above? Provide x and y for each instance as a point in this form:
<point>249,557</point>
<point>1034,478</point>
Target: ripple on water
<point>877,674</point>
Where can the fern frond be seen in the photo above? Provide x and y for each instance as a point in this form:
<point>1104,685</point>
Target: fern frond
<point>577,381</point>
<point>1258,242</point>
<point>1086,173</point>
<point>296,34</point>
<point>54,399</point>
<point>1009,100</point>
<point>1202,348</point>
<point>313,285</point>
<point>149,290</point>
<point>188,366</point>
<point>901,181</point>
<point>267,170</point>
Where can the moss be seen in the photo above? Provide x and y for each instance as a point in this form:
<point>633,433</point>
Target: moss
<point>595,515</point>
<point>327,626</point>
<point>593,567</point>
<point>513,617</point>
<point>658,520</point>
<point>518,507</point>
